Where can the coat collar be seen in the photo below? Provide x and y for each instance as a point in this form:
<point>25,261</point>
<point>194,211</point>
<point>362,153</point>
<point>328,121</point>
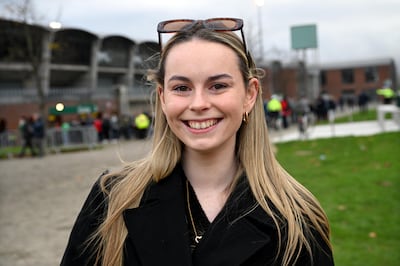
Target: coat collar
<point>158,227</point>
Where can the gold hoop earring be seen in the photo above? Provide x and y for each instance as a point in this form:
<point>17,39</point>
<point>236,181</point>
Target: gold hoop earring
<point>246,117</point>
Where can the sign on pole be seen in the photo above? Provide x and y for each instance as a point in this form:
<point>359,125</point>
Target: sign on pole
<point>304,36</point>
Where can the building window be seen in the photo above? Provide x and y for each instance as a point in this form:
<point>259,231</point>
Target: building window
<point>322,78</point>
<point>371,74</point>
<point>347,76</point>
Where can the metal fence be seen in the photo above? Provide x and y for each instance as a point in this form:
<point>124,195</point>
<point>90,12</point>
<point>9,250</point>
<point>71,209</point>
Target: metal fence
<point>57,138</point>
<point>79,136</point>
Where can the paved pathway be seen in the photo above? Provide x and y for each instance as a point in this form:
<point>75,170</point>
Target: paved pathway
<point>40,198</point>
<point>336,130</point>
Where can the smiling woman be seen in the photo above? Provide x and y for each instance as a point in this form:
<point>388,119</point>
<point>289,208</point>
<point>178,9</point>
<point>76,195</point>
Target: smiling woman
<point>211,191</point>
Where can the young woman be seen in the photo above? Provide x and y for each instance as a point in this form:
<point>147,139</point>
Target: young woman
<point>211,191</point>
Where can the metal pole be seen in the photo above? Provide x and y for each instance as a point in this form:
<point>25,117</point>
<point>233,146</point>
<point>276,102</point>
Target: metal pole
<point>260,4</point>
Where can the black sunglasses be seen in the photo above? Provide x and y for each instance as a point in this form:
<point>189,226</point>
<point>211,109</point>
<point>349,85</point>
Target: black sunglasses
<point>215,24</point>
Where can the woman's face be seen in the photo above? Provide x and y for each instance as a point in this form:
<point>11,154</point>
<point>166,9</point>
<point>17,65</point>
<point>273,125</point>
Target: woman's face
<point>204,96</point>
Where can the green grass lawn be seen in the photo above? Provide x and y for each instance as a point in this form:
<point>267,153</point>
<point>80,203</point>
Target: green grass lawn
<point>357,181</point>
<point>357,116</point>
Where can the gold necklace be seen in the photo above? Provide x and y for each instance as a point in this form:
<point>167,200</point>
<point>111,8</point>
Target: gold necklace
<point>197,237</point>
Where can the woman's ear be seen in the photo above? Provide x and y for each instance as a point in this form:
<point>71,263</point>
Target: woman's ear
<point>160,92</point>
<point>251,94</point>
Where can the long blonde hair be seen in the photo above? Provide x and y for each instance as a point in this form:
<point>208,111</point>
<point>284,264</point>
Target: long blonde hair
<point>292,204</point>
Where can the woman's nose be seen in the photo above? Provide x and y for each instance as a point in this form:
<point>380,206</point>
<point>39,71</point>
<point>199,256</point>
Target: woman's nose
<point>200,100</point>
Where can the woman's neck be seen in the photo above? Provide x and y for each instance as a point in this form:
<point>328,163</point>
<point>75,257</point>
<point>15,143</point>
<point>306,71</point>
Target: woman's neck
<point>209,171</point>
<point>210,176</point>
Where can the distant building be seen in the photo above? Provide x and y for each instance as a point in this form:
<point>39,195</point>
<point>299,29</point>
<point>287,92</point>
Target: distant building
<point>77,68</point>
<point>349,79</point>
<point>340,80</point>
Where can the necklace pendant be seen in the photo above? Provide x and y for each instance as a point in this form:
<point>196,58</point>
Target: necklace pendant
<point>197,239</point>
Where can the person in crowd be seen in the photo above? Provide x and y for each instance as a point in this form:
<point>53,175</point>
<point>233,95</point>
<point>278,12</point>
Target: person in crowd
<point>114,127</point>
<point>39,135</point>
<point>65,132</point>
<point>363,100</point>
<point>142,125</point>
<point>27,130</point>
<point>126,126</point>
<point>4,138</point>
<point>322,106</point>
<point>286,112</point>
<point>387,94</point>
<point>3,125</point>
<point>274,109</point>
<point>211,191</point>
<point>98,125</point>
<point>106,127</point>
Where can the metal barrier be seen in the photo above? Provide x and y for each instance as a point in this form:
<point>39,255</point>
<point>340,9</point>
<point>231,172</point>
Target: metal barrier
<point>10,138</point>
<point>56,138</point>
<point>80,136</point>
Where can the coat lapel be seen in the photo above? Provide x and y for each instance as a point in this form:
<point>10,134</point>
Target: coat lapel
<point>240,231</point>
<point>158,227</point>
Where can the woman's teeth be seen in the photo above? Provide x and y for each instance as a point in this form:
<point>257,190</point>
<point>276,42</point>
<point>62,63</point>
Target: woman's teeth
<point>202,124</point>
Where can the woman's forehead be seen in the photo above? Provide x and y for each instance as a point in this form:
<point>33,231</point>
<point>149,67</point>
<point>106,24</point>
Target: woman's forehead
<point>200,59</point>
<point>201,53</point>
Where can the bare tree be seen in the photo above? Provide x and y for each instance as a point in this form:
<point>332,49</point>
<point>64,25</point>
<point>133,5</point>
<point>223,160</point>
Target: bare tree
<point>29,42</point>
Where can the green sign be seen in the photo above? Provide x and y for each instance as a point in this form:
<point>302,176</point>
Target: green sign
<point>304,37</point>
<point>73,109</point>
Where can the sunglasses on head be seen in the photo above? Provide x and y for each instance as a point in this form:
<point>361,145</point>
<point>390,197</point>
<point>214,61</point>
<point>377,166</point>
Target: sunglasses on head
<point>215,24</point>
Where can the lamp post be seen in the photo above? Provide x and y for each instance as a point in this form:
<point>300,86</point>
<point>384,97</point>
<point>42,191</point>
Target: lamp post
<point>48,47</point>
<point>260,4</point>
<point>47,42</point>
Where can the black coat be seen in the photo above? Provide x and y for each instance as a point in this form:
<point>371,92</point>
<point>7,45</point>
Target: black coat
<point>242,234</point>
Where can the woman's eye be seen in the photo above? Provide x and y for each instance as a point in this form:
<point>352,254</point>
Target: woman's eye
<point>219,86</point>
<point>181,88</point>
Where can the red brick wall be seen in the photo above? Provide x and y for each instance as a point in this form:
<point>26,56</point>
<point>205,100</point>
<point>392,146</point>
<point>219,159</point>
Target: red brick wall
<point>335,87</point>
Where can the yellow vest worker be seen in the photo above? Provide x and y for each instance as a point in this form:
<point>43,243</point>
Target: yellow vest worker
<point>142,121</point>
<point>386,92</point>
<point>274,105</point>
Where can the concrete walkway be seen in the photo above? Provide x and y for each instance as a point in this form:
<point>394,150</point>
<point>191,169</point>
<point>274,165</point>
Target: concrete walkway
<point>364,128</point>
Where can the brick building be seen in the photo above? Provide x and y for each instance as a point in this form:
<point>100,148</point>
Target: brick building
<point>349,79</point>
<point>341,80</point>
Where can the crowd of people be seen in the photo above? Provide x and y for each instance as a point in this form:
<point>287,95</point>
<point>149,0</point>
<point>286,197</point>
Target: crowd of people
<point>281,112</point>
<point>34,134</point>
<point>109,127</point>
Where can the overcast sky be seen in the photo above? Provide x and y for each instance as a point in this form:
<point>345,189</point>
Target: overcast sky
<point>346,29</point>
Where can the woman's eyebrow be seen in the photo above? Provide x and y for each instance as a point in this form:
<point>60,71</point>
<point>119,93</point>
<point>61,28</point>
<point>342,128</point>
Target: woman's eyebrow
<point>209,79</point>
<point>178,78</point>
<point>219,76</point>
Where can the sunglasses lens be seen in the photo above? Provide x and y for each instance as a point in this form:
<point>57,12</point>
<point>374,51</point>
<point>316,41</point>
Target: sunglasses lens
<point>174,25</point>
<point>223,24</point>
